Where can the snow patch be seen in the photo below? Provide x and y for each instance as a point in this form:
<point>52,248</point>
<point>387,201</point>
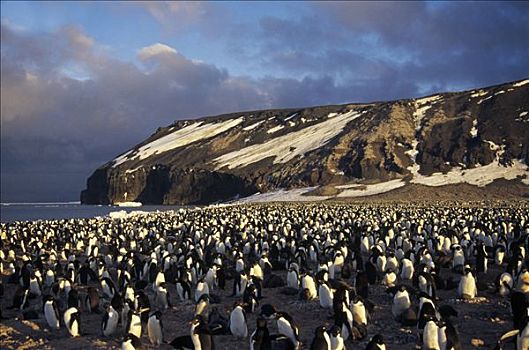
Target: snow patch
<point>275,129</point>
<point>286,147</point>
<point>253,126</point>
<point>357,190</point>
<point>484,99</point>
<point>290,117</point>
<point>523,114</point>
<point>479,93</point>
<point>474,130</point>
<point>499,93</point>
<point>189,134</point>
<point>283,195</point>
<point>521,83</point>
<point>480,176</point>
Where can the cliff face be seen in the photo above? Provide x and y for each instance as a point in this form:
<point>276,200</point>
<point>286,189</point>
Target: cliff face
<point>473,137</point>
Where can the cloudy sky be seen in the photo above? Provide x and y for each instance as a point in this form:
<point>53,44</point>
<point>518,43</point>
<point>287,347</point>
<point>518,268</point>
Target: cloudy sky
<point>82,82</point>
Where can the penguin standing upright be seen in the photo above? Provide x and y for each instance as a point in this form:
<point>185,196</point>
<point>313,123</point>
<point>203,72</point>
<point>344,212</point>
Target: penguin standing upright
<point>183,289</point>
<point>287,327</point>
<point>72,321</point>
<point>337,342</point>
<point>260,338</point>
<point>92,300</point>
<point>401,302</point>
<point>321,339</point>
<point>110,321</point>
<point>155,328</point>
<point>133,324</point>
<point>325,294</point>
<point>238,325</point>
<point>481,259</point>
<point>51,312</point>
<point>467,285</point>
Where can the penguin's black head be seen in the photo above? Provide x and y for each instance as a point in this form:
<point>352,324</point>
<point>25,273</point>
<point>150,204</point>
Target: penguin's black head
<point>378,339</point>
<point>268,311</point>
<point>402,288</point>
<point>335,331</point>
<point>320,330</point>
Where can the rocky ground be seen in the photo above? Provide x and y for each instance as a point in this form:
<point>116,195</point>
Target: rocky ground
<point>480,321</point>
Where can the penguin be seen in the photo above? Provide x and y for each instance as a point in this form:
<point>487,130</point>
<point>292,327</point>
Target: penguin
<point>358,309</point>
<point>110,321</point>
<point>467,288</point>
<point>161,298</point>
<point>133,324</point>
<point>260,338</point>
<point>131,342</point>
<point>200,336</point>
<point>250,299</point>
<point>430,335</point>
<point>201,307</point>
<point>238,326</point>
<point>142,304</point>
<point>376,343</point>
<point>321,340</point>
<point>155,328</point>
<point>504,284</point>
<point>401,302</point>
<point>481,259</point>
<point>390,278</point>
<point>72,318</point>
<point>183,289</point>
<point>292,278</point>
<point>239,284</point>
<point>326,295</point>
<point>287,327</point>
<point>520,335</point>
<point>92,300</point>
<point>218,323</point>
<point>343,318</point>
<point>108,288</point>
<point>20,299</point>
<point>406,270</point>
<point>337,341</point>
<point>51,312</point>
<point>202,288</point>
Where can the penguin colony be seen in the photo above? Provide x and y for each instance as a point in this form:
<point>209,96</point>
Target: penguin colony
<point>217,268</point>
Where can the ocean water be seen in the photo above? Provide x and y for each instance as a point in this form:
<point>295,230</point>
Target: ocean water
<point>10,212</point>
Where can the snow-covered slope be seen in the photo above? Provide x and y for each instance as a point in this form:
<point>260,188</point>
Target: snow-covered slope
<point>474,137</point>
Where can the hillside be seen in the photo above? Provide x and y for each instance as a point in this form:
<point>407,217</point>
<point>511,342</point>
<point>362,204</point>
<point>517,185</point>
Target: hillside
<point>474,140</point>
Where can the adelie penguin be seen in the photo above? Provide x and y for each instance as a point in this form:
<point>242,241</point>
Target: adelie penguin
<point>155,328</point>
<point>92,300</point>
<point>287,327</point>
<point>131,342</point>
<point>133,324</point>
<point>337,341</point>
<point>321,340</point>
<point>200,337</point>
<point>376,343</point>
<point>51,312</point>
<point>110,321</point>
<point>238,326</point>
<point>72,320</point>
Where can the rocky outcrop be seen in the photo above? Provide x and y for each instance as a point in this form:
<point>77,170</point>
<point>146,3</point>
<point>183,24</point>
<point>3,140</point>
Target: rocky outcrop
<point>219,158</point>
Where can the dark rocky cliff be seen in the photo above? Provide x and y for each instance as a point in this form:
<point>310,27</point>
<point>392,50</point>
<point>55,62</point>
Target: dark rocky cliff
<point>219,158</point>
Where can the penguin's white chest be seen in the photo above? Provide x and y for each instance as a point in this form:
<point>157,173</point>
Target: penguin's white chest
<point>50,315</point>
<point>154,330</point>
<point>237,323</point>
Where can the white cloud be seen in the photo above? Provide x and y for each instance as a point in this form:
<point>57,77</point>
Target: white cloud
<point>154,50</point>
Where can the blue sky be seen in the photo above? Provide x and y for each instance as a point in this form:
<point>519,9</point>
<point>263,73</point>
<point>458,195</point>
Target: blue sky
<point>84,81</point>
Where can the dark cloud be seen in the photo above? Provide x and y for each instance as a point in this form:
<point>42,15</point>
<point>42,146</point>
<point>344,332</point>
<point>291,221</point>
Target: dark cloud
<point>68,106</point>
